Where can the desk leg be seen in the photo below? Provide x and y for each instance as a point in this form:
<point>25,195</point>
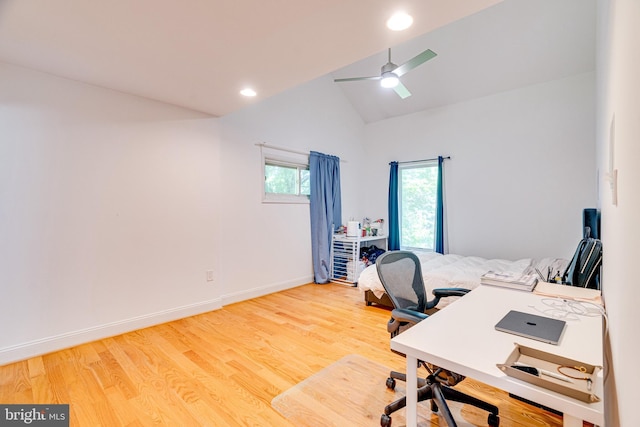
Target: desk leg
<point>412,391</point>
<point>569,421</point>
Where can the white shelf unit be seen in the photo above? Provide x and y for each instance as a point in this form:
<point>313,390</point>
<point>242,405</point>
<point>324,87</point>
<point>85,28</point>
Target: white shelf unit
<point>345,256</point>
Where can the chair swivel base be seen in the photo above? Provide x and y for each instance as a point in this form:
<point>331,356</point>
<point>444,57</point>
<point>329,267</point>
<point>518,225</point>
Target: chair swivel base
<point>430,389</point>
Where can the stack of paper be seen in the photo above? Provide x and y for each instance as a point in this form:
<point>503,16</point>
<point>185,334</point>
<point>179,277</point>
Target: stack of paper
<point>523,282</point>
<point>575,293</point>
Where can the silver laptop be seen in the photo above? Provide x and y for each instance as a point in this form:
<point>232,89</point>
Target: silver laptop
<point>532,326</point>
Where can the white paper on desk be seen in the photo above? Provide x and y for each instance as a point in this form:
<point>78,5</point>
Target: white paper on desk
<point>568,292</point>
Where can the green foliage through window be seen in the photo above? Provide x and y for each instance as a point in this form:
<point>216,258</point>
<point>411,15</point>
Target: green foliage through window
<point>418,198</point>
<point>281,178</point>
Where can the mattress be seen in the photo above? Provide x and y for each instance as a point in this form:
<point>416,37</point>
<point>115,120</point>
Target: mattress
<point>457,271</point>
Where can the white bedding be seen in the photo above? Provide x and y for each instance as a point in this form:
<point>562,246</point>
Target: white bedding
<point>457,271</point>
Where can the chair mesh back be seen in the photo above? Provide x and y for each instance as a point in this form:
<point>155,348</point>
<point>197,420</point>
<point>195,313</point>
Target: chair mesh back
<point>401,277</point>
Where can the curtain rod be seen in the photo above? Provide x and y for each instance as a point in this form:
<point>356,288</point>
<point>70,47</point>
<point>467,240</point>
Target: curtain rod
<point>289,150</point>
<point>423,160</point>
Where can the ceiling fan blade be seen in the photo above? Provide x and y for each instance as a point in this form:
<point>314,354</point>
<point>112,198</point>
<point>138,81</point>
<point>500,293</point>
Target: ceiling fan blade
<point>352,79</point>
<point>402,91</point>
<point>419,59</point>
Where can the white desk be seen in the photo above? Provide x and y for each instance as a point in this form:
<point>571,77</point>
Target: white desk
<point>461,337</point>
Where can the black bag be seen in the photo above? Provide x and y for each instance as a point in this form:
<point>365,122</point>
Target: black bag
<point>584,268</point>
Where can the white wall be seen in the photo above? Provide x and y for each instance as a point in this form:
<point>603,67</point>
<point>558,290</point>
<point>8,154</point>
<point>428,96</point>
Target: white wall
<point>619,97</point>
<point>262,241</point>
<point>107,212</point>
<point>112,207</point>
<point>522,167</point>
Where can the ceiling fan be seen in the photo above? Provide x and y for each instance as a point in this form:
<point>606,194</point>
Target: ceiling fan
<point>390,73</point>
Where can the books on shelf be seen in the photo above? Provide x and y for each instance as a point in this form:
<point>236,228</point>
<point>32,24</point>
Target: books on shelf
<point>523,282</point>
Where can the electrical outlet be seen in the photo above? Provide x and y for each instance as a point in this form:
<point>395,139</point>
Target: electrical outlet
<point>209,275</point>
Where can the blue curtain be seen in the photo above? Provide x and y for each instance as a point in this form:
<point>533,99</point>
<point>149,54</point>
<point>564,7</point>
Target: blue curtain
<point>326,210</point>
<point>394,222</point>
<point>439,243</point>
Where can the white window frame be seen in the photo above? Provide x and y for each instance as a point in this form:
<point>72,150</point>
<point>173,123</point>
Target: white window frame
<point>281,157</point>
<point>401,167</point>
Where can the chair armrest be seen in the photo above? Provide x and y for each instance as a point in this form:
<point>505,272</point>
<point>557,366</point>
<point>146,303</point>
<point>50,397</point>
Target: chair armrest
<point>450,292</point>
<point>444,293</point>
<point>407,316</point>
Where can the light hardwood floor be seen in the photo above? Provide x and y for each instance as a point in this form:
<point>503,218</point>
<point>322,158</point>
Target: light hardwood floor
<point>224,367</point>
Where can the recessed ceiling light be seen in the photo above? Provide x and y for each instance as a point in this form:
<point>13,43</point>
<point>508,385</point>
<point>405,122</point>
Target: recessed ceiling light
<point>248,92</point>
<point>399,21</point>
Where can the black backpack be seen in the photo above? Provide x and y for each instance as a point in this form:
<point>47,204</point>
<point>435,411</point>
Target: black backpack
<point>584,268</point>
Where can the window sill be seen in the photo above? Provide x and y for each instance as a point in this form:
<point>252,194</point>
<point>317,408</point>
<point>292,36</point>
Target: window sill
<point>295,200</point>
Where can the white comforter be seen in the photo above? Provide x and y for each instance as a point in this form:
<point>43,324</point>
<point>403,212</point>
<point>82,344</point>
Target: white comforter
<point>457,271</point>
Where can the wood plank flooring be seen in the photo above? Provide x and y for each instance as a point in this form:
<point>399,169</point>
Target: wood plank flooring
<point>224,367</point>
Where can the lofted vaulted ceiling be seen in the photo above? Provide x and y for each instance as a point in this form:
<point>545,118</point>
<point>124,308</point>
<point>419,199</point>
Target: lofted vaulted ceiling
<point>513,44</point>
<point>199,54</point>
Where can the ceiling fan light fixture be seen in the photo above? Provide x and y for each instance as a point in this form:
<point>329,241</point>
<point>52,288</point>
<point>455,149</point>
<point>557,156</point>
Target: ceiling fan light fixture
<point>389,80</point>
<point>399,21</point>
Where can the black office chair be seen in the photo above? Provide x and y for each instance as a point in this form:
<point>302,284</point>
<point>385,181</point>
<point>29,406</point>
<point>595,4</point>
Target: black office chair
<point>401,276</point>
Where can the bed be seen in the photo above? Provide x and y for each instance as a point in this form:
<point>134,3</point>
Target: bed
<point>454,271</point>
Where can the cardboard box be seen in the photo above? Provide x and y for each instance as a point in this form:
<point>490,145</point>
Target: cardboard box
<point>580,388</point>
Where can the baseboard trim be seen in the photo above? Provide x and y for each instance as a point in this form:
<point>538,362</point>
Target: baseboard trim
<point>264,290</point>
<point>58,342</point>
<point>46,345</point>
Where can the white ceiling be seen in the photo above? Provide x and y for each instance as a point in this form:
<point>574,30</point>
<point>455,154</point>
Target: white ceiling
<point>198,54</point>
<point>512,44</point>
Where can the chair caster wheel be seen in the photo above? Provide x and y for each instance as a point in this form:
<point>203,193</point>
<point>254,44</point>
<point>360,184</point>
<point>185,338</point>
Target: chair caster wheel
<point>385,420</point>
<point>493,420</point>
<point>391,383</point>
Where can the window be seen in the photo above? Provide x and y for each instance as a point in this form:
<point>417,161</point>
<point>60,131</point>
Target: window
<point>286,177</point>
<point>417,187</point>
